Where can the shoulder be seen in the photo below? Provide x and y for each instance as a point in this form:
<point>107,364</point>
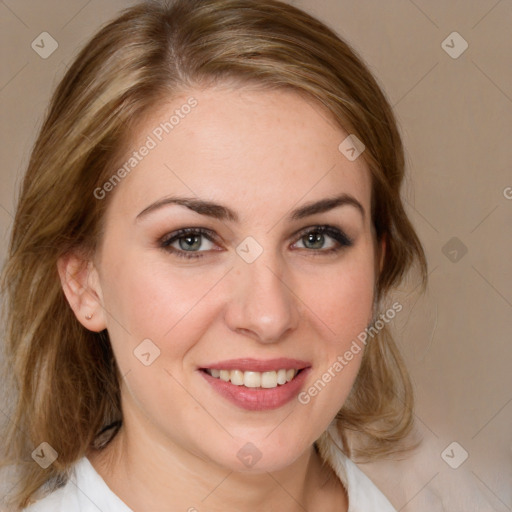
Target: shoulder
<point>63,499</point>
<point>85,491</point>
<point>363,494</point>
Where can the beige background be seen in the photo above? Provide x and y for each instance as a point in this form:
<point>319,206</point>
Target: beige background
<point>456,120</point>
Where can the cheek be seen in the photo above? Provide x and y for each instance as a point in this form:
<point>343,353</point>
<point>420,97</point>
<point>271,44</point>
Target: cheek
<point>152,299</point>
<point>343,308</point>
<point>343,298</point>
<point>155,299</point>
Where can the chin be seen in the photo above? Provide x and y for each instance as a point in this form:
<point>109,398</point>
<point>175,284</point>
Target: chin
<point>260,456</point>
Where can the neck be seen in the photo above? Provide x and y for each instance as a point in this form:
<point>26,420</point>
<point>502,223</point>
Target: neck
<point>149,473</point>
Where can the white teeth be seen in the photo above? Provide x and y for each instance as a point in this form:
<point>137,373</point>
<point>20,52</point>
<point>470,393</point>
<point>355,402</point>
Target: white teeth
<point>269,380</point>
<point>281,377</point>
<point>255,379</point>
<point>237,378</point>
<point>252,379</point>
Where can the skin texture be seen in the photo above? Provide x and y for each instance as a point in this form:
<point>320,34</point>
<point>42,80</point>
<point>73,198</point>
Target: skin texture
<point>262,154</point>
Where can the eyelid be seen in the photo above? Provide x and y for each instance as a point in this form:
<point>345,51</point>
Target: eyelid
<point>165,241</point>
<point>207,233</point>
<point>336,233</point>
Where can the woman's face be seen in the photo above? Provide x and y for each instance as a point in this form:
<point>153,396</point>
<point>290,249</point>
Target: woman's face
<point>207,327</point>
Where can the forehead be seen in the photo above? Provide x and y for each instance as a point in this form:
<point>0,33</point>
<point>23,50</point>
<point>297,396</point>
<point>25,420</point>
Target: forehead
<point>258,150</point>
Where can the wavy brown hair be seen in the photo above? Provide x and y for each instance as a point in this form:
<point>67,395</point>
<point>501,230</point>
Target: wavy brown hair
<point>64,382</point>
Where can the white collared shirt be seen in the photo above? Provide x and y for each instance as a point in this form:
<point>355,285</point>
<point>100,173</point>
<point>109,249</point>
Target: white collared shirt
<point>86,491</point>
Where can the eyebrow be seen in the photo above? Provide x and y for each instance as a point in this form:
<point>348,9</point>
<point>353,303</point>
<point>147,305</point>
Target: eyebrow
<point>220,212</point>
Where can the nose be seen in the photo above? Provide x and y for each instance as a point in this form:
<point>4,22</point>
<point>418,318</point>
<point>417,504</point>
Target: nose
<point>263,305</point>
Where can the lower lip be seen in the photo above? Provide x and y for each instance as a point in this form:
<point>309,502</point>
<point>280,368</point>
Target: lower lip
<point>258,399</point>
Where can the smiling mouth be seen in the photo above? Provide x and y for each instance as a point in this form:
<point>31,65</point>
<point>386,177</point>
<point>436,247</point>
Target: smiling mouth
<point>248,379</point>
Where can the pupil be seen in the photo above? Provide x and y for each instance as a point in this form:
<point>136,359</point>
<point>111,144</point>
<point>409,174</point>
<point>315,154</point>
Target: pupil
<point>316,238</point>
<point>190,243</point>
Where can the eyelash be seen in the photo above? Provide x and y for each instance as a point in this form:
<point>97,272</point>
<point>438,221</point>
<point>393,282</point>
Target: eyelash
<point>338,235</point>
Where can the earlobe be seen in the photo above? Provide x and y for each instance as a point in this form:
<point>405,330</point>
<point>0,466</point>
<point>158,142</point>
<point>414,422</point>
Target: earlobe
<point>80,284</point>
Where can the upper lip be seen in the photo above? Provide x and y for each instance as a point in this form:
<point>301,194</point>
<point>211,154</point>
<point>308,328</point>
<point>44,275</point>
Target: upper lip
<point>258,365</point>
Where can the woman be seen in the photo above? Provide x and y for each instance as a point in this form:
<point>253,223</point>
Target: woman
<point>206,236</point>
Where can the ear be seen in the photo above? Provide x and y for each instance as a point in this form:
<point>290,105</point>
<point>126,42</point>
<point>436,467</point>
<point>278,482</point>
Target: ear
<point>81,285</point>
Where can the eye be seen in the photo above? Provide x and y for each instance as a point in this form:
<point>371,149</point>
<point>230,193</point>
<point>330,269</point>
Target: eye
<point>314,238</point>
<point>188,241</point>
